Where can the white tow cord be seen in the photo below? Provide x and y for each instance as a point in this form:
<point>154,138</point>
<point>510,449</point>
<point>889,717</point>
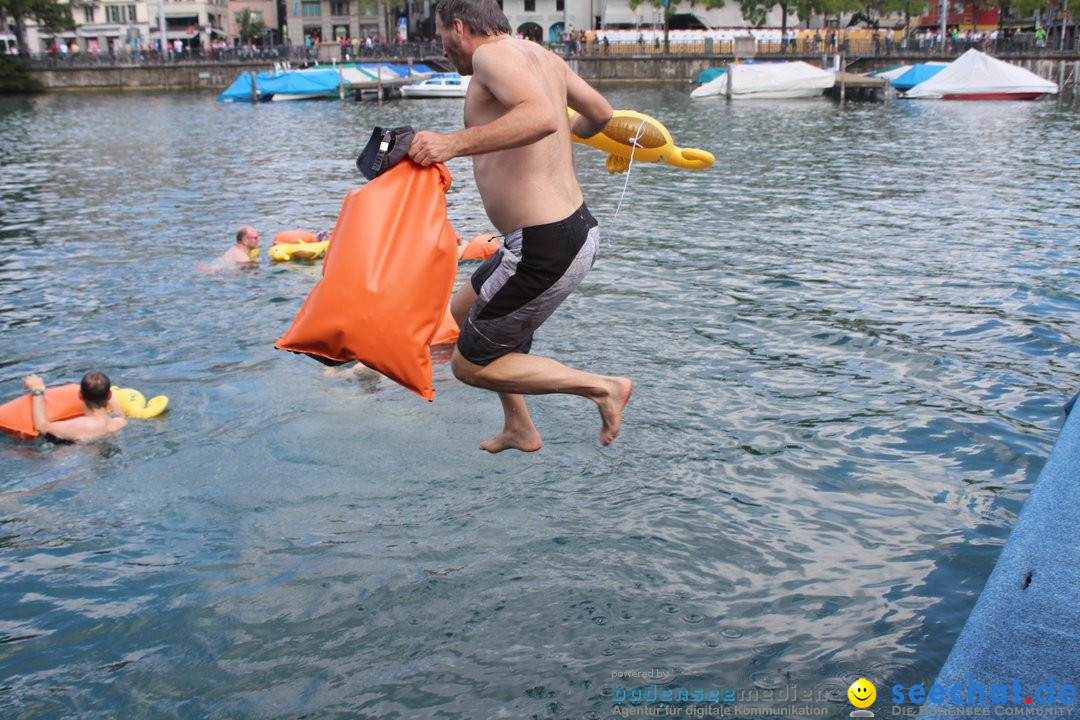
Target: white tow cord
<point>634,146</point>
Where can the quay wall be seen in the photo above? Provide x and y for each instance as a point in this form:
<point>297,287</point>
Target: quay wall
<point>208,76</point>
<point>1063,69</point>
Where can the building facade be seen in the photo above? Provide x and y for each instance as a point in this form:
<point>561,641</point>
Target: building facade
<point>316,21</point>
<point>100,26</point>
<point>265,10</point>
<point>123,26</point>
<point>545,20</point>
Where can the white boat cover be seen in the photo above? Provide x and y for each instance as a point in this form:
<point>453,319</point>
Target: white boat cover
<point>976,73</point>
<point>769,80</point>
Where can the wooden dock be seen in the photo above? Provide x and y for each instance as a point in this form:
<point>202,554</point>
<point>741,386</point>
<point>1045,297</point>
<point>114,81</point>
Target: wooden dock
<point>852,86</point>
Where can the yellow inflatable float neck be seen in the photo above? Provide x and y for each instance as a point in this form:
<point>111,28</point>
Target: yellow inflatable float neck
<point>134,403</point>
<point>631,135</point>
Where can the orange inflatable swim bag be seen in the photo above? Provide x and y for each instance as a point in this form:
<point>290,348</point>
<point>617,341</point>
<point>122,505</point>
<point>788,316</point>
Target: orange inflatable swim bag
<point>387,278</point>
<point>480,247</point>
<point>61,403</point>
<point>288,237</point>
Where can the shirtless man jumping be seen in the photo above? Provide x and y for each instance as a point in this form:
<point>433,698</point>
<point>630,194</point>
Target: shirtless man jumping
<point>518,132</point>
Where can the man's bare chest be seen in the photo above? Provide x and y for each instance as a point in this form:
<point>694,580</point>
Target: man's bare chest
<point>481,106</point>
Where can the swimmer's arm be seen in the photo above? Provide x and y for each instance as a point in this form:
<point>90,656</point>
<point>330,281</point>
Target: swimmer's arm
<point>40,417</point>
<point>530,117</point>
<point>594,111</point>
<point>38,414</point>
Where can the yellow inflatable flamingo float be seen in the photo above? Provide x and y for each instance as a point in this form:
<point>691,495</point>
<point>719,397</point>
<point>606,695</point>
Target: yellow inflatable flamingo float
<point>633,134</point>
<point>136,405</point>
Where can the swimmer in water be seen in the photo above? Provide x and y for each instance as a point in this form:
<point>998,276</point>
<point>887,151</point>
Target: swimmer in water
<point>102,414</point>
<point>247,240</point>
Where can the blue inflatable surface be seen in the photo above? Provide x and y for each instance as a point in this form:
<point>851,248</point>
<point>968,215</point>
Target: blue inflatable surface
<point>915,75</point>
<point>1020,647</point>
<point>417,69</point>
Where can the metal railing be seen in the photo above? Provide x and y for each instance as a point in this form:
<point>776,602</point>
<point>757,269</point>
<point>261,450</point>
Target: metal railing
<point>298,55</point>
<point>303,55</point>
<point>808,45</point>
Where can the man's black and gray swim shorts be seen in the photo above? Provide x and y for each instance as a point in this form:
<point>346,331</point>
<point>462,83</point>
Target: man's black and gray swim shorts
<point>523,282</point>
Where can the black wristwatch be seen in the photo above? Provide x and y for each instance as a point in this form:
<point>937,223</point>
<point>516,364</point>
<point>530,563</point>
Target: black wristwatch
<point>37,393</point>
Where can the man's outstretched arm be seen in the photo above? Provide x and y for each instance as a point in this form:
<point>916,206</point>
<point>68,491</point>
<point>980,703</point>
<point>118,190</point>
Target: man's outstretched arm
<point>594,111</point>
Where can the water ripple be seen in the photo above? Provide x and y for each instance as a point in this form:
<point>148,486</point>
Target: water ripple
<point>851,340</point>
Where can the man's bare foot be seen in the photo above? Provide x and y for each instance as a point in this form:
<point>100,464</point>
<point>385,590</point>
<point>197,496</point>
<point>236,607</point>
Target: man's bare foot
<point>525,441</point>
<point>611,409</point>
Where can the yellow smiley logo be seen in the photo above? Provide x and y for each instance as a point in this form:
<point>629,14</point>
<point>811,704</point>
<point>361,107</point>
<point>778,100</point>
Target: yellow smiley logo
<point>862,693</point>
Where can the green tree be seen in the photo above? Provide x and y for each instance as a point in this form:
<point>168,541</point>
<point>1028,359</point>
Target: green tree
<point>838,8</point>
<point>910,8</point>
<point>756,12</point>
<point>669,7</point>
<point>251,26</point>
<point>15,77</point>
<point>51,17</point>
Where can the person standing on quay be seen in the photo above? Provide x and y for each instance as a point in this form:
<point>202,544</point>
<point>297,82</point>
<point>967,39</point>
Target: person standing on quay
<point>518,133</point>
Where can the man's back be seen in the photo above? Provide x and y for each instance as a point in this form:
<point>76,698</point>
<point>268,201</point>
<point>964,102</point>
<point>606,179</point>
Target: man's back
<point>87,428</point>
<point>535,183</point>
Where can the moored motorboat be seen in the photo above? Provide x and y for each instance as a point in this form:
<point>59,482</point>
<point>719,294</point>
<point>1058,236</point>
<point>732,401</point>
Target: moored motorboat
<point>977,76</point>
<point>768,80</point>
<point>442,85</point>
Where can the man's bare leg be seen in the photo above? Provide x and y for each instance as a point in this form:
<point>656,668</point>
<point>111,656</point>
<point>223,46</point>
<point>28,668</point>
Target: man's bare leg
<point>522,374</point>
<point>518,431</point>
<point>462,302</point>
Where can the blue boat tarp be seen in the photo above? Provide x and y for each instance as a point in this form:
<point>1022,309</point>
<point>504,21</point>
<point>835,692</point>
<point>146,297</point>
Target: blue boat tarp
<point>710,74</point>
<point>403,70</point>
<point>239,91</point>
<point>915,75</point>
<point>319,82</point>
<point>1025,629</point>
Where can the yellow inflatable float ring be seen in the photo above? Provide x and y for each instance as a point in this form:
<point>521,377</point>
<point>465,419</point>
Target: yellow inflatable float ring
<point>645,138</point>
<point>284,252</point>
<point>135,404</point>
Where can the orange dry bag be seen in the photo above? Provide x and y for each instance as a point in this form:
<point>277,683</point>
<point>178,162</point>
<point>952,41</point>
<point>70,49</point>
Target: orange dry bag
<point>61,403</point>
<point>291,237</point>
<point>387,278</point>
<point>447,332</point>
<point>480,247</point>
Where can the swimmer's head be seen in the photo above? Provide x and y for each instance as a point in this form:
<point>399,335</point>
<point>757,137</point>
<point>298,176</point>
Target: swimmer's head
<point>95,388</point>
<point>248,237</point>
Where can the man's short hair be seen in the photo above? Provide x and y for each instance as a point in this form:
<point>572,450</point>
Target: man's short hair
<point>95,388</point>
<point>482,17</point>
<point>241,234</point>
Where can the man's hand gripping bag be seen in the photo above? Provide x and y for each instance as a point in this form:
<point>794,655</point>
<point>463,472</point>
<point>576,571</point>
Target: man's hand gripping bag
<point>387,278</point>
